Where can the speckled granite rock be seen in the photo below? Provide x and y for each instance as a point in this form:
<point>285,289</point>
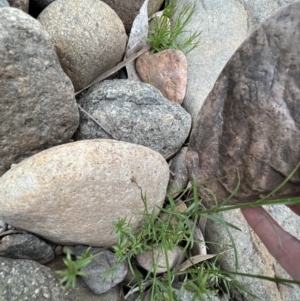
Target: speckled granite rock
<point>134,112</point>
<point>88,36</point>
<point>38,107</point>
<point>71,194</point>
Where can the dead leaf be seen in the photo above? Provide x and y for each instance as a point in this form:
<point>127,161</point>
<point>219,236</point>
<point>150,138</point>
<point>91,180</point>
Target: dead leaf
<point>194,260</point>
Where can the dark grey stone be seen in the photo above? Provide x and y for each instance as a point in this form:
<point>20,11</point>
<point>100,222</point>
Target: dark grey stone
<point>37,108</point>
<point>98,278</point>
<point>134,112</point>
<point>26,246</point>
<point>178,173</point>
<point>3,3</point>
<point>28,280</point>
<point>41,3</point>
<point>250,122</point>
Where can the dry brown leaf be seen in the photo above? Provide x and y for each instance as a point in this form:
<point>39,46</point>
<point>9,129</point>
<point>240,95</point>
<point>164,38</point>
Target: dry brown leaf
<point>193,260</point>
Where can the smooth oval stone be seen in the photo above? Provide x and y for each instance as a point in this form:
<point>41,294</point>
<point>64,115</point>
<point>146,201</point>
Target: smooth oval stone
<point>71,194</point>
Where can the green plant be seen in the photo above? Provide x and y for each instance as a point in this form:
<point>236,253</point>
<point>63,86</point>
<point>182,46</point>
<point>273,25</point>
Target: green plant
<point>201,278</point>
<point>73,267</point>
<point>168,35</point>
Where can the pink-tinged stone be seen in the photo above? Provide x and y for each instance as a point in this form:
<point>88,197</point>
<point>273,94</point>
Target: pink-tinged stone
<point>165,70</point>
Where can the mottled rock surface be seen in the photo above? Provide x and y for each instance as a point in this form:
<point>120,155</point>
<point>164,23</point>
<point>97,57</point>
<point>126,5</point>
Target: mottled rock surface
<point>96,276</point>
<point>71,194</point>
<point>249,124</point>
<point>20,4</point>
<point>88,36</point>
<point>165,70</point>
<point>26,246</point>
<point>134,112</point>
<point>28,280</point>
<point>129,9</point>
<point>179,176</point>
<point>37,108</point>
<point>253,256</point>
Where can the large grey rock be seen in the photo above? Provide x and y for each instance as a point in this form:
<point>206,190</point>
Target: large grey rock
<point>134,112</point>
<point>28,280</point>
<point>4,3</point>
<point>26,246</point>
<point>20,4</point>
<point>38,107</point>
<point>253,257</point>
<point>71,194</point>
<point>128,10</point>
<point>104,272</point>
<point>223,27</point>
<point>88,36</point>
<point>249,124</point>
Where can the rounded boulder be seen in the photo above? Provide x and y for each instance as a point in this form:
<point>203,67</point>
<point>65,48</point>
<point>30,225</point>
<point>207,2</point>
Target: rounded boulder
<point>71,194</point>
<point>88,36</point>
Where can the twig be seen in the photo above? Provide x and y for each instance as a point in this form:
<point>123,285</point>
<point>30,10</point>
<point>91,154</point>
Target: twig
<point>98,123</point>
<point>116,68</point>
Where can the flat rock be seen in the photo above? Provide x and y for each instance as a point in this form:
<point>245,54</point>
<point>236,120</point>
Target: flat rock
<point>97,276</point>
<point>249,124</point>
<point>71,194</point>
<point>38,108</point>
<point>26,246</point>
<point>165,70</point>
<point>88,36</point>
<point>28,280</point>
<point>223,27</point>
<point>253,256</point>
<point>133,112</point>
<point>129,9</point>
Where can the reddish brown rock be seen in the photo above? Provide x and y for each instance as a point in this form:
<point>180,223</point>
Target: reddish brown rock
<point>249,124</point>
<point>165,70</point>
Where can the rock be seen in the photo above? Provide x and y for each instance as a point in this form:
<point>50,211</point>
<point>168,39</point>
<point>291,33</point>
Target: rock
<point>71,194</point>
<point>179,174</point>
<point>88,36</point>
<point>253,257</point>
<point>223,27</point>
<point>82,292</point>
<point>26,246</point>
<point>259,10</point>
<point>130,9</point>
<point>58,250</point>
<point>28,280</point>
<point>37,98</point>
<point>133,112</point>
<point>97,276</point>
<point>4,3</point>
<point>21,4</point>
<point>156,257</point>
<point>249,124</point>
<point>3,226</point>
<point>165,70</point>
